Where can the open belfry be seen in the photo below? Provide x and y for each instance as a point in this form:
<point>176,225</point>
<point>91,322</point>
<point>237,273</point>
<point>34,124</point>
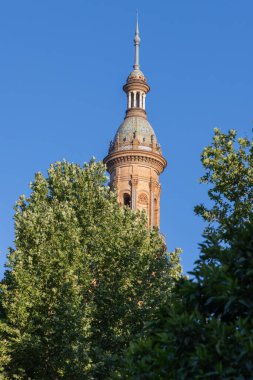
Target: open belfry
<point>135,159</point>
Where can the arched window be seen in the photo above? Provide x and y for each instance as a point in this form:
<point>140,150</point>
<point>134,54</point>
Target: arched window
<point>126,200</point>
<point>138,99</point>
<point>132,99</point>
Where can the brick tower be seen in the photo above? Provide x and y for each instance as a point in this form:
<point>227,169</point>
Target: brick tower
<point>135,159</point>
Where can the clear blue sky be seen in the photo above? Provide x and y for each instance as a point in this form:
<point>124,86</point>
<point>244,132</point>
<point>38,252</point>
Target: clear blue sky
<point>62,67</point>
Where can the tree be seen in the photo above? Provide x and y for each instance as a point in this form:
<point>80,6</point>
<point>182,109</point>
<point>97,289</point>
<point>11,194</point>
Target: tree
<point>208,332</point>
<point>228,165</point>
<point>84,275</point>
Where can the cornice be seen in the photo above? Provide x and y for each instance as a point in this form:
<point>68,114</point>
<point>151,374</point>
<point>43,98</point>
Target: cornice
<point>154,160</point>
<point>136,84</point>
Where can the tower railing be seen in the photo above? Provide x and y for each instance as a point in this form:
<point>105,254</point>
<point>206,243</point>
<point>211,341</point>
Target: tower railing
<point>134,145</point>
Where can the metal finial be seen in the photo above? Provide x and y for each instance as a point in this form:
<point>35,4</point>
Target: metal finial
<point>137,41</point>
<point>137,23</point>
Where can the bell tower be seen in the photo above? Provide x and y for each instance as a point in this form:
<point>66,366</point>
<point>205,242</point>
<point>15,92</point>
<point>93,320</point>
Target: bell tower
<point>135,159</point>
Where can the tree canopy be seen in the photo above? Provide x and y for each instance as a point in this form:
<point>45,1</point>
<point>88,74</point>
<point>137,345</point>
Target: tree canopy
<point>207,332</point>
<point>82,278</point>
<point>228,164</point>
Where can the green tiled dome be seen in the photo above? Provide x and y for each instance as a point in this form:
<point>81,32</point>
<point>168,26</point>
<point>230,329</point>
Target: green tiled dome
<point>135,126</point>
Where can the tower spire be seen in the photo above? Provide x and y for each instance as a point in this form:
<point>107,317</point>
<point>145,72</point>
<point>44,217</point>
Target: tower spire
<point>137,41</point>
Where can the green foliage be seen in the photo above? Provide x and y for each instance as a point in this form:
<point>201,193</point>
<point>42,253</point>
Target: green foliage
<point>82,278</point>
<point>228,165</point>
<point>208,333</point>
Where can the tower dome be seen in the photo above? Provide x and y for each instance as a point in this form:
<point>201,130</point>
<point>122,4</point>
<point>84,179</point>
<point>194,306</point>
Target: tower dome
<point>135,127</point>
<point>135,132</point>
<point>136,74</point>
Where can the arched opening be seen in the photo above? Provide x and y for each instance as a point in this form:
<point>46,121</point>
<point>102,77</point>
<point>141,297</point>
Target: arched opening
<point>126,200</point>
<point>132,99</point>
<point>138,99</point>
<point>142,100</point>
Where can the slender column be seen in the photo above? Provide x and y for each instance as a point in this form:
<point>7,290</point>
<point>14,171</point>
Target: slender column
<point>152,196</point>
<point>134,187</point>
<point>152,210</point>
<point>134,199</point>
<point>129,100</point>
<point>144,101</point>
<point>134,98</point>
